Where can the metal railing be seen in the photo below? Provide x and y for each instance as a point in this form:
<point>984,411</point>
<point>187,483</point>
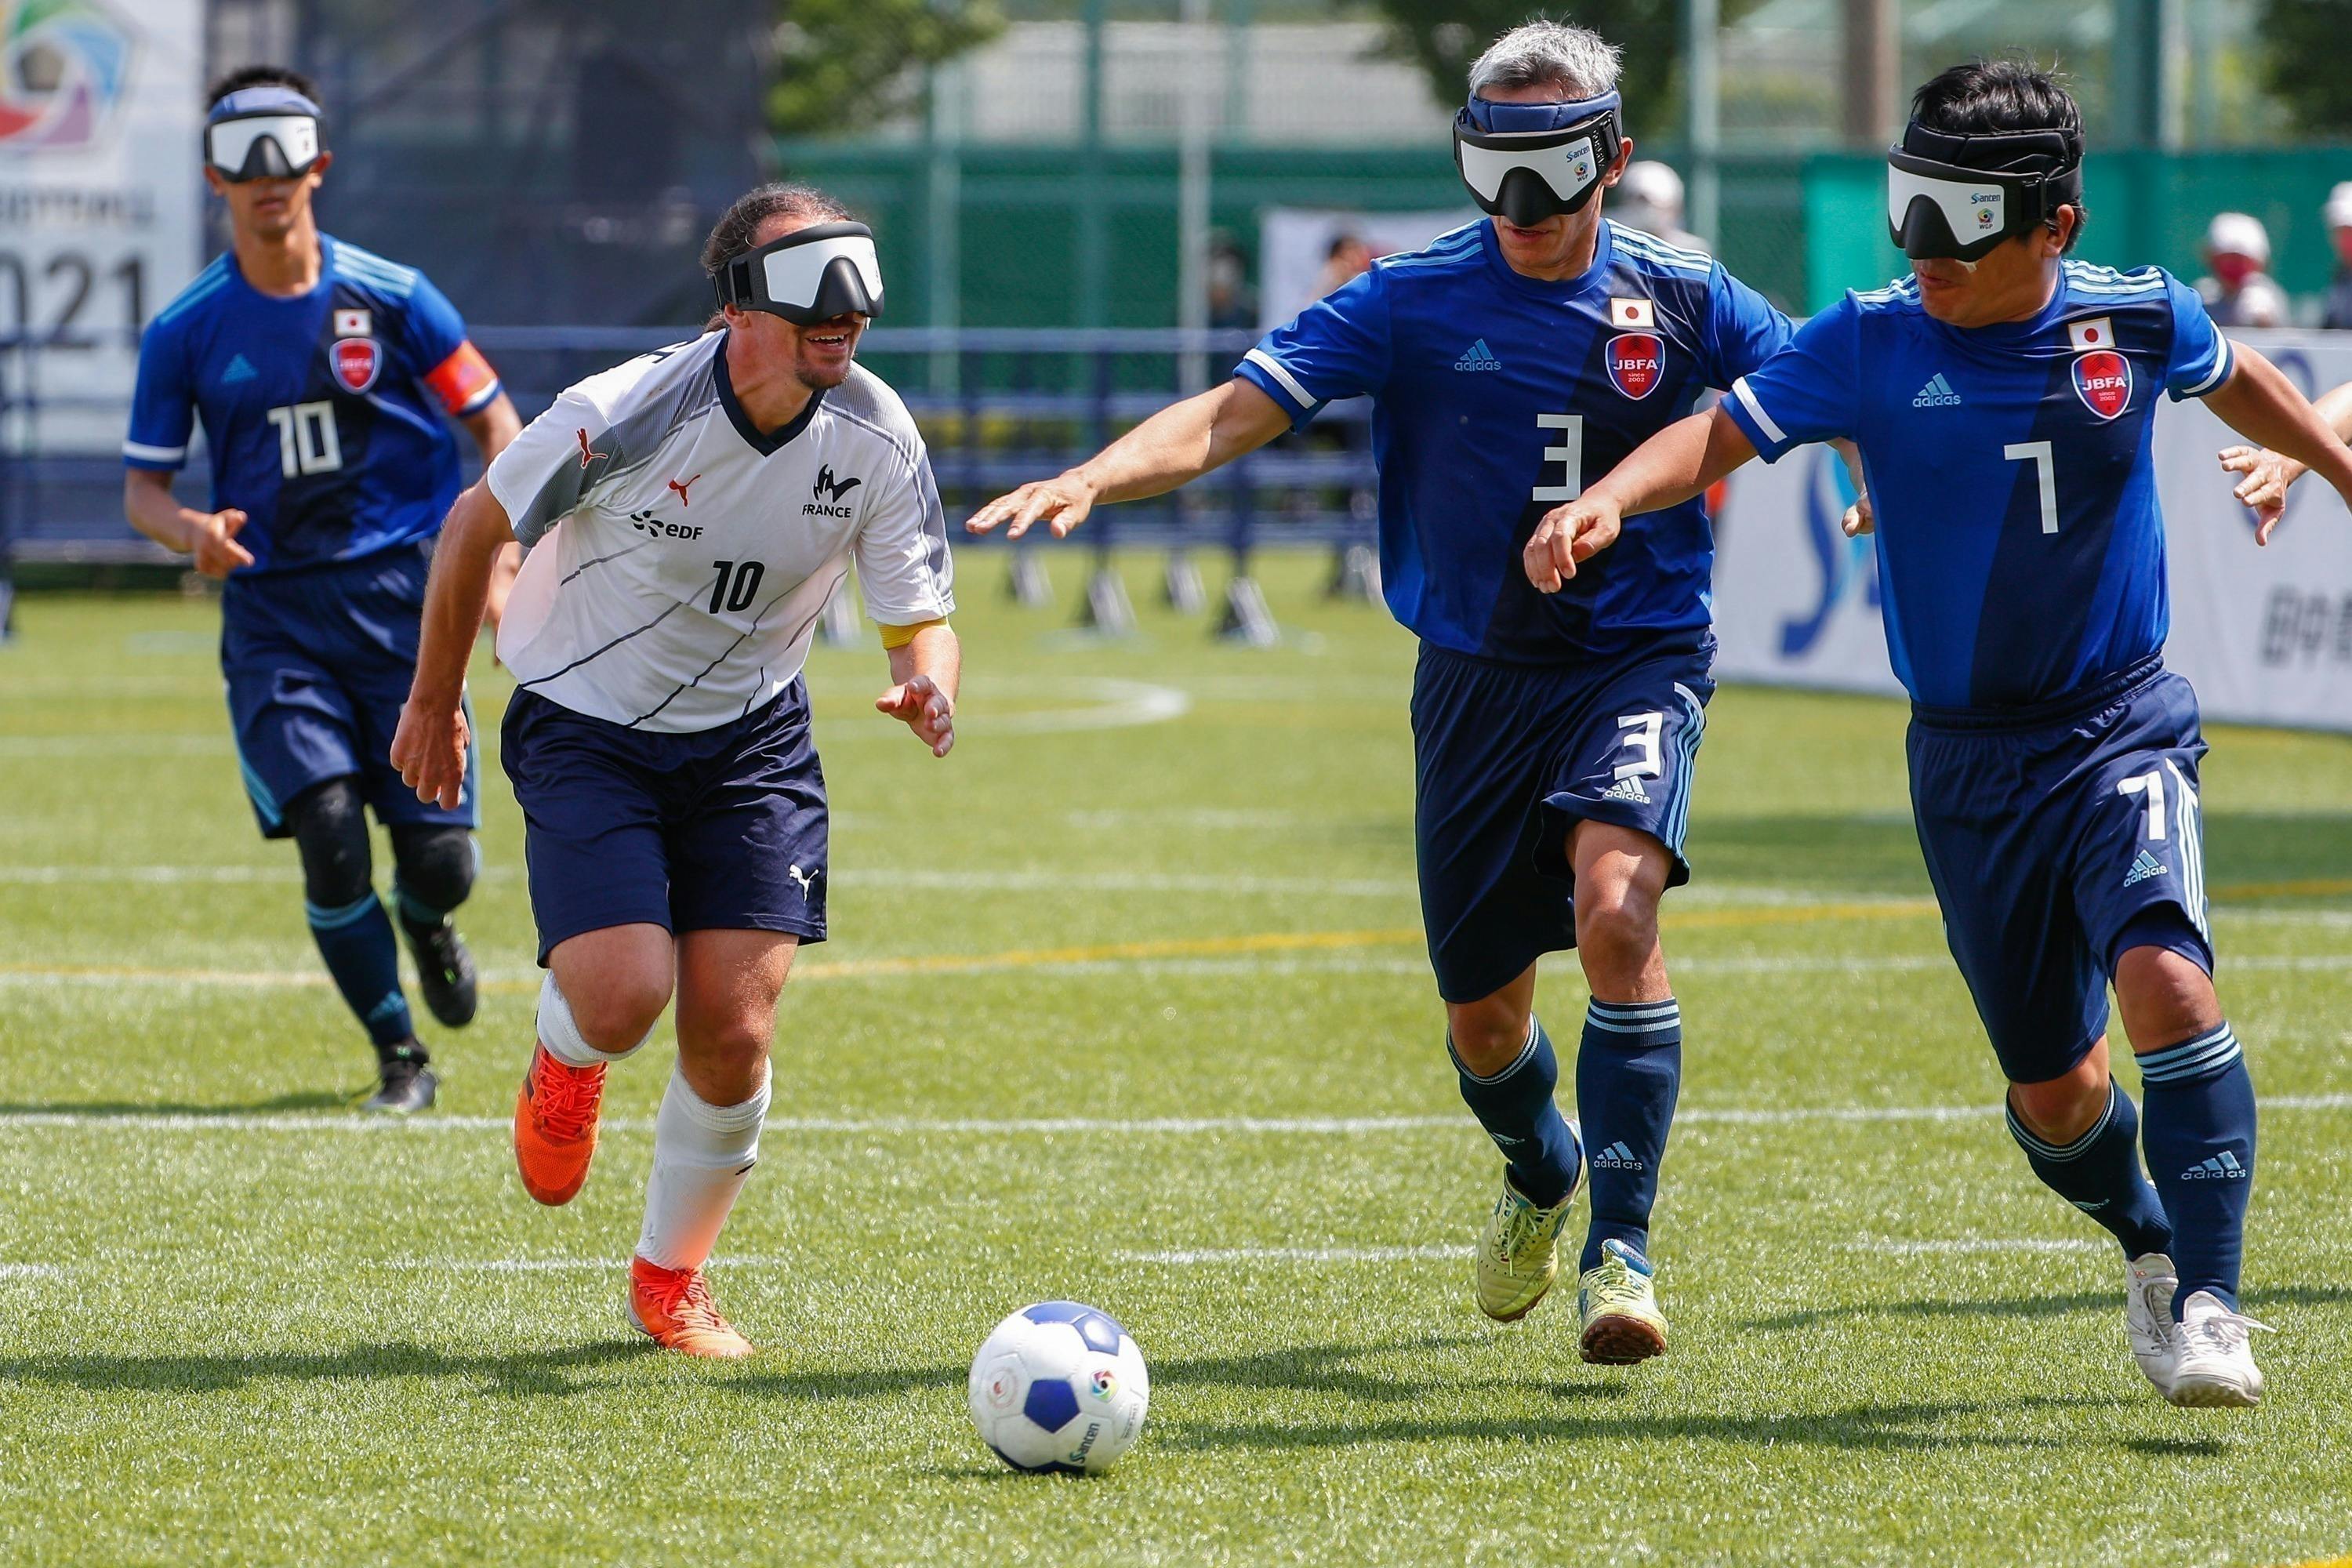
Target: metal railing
<point>998,406</point>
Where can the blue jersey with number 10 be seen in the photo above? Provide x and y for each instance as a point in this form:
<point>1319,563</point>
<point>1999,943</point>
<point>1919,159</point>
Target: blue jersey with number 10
<point>1494,398</point>
<point>2020,548</point>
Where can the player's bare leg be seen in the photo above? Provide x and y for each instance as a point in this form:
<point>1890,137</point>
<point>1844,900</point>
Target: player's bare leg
<point>1628,1072</point>
<point>706,1138</point>
<point>604,991</point>
<point>1508,1073</point>
<point>2199,1136</point>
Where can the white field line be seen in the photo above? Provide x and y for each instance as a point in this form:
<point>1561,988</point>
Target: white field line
<point>30,1271</point>
<point>548,1265</point>
<point>1895,1248</point>
<point>976,1126</point>
<point>1299,1255</point>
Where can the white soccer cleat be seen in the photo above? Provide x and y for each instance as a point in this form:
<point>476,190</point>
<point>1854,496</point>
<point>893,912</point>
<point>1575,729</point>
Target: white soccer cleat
<point>1617,1303</point>
<point>2215,1366</point>
<point>2149,1284</point>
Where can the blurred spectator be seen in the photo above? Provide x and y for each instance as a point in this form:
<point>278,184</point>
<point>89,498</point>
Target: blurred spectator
<point>2238,289</point>
<point>1650,198</point>
<point>2339,215</point>
<point>1231,301</point>
<point>1349,258</point>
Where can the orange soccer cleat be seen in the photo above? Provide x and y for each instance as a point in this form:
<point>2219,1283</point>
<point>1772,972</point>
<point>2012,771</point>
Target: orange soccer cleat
<point>672,1306</point>
<point>555,1126</point>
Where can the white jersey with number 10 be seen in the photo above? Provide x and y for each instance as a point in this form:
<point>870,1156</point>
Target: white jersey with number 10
<point>679,559</point>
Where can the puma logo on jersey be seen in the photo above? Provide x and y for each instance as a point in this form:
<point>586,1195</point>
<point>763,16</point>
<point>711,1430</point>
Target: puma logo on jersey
<point>828,490</point>
<point>680,487</point>
<point>588,454</point>
<point>807,880</point>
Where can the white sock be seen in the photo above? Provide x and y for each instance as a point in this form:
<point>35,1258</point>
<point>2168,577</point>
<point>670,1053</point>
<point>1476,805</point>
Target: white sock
<point>560,1033</point>
<point>701,1154</point>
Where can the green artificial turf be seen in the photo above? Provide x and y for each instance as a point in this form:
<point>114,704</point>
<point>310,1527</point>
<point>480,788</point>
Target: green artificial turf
<point>1125,1003</point>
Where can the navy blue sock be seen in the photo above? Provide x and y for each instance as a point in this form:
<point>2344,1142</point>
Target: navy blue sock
<point>1517,1108</point>
<point>2199,1131</point>
<point>356,941</point>
<point>2099,1174</point>
<point>1627,1075</point>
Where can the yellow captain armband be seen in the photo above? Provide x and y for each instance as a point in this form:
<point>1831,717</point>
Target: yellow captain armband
<point>899,637</point>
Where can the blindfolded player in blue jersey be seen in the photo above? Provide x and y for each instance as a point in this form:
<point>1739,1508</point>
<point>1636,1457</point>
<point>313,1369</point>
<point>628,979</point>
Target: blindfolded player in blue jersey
<point>1554,735</point>
<point>2004,398</point>
<point>323,377</point>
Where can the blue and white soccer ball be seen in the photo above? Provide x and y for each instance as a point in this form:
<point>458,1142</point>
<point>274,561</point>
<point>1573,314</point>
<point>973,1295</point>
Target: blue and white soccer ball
<point>1059,1387</point>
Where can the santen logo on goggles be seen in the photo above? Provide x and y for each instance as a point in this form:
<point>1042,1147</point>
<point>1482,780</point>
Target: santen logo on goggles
<point>262,133</point>
<point>810,276</point>
<point>1959,197</point>
<point>1530,162</point>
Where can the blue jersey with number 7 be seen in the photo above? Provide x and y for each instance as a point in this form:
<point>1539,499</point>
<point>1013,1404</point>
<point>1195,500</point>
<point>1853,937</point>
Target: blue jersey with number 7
<point>2020,548</point>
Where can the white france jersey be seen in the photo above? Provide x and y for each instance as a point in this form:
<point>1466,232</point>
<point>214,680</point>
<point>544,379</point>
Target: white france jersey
<point>678,560</point>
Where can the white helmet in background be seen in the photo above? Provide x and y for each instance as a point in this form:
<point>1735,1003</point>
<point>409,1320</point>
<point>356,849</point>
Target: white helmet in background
<point>2238,234</point>
<point>1650,198</point>
<point>2338,210</point>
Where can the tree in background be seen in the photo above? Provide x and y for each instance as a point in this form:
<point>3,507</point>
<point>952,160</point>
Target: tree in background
<point>2302,48</point>
<point>1443,36</point>
<point>844,64</point>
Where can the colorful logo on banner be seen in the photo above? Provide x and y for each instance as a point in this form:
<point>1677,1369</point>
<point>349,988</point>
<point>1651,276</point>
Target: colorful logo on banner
<point>357,361</point>
<point>2103,381</point>
<point>1637,362</point>
<point>63,67</point>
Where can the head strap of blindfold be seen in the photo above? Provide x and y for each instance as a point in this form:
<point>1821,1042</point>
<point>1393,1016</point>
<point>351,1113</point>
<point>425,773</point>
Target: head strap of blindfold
<point>267,133</point>
<point>1530,162</point>
<point>1942,184</point>
<point>840,279</point>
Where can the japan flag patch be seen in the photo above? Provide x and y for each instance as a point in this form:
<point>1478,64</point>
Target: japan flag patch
<point>354,324</point>
<point>1636,363</point>
<point>2103,381</point>
<point>357,361</point>
<point>2094,332</point>
<point>1624,313</point>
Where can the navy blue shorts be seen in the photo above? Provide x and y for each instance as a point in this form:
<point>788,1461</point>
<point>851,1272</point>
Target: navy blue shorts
<point>720,829</point>
<point>1509,758</point>
<point>2057,838</point>
<point>318,663</point>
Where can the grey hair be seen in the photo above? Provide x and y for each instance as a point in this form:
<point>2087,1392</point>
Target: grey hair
<point>1576,59</point>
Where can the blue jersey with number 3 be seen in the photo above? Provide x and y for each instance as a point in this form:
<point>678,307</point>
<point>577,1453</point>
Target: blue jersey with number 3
<point>2020,547</point>
<point>1494,398</point>
<point>323,412</point>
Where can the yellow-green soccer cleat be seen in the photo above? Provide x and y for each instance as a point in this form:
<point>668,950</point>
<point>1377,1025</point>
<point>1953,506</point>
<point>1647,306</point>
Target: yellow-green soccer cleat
<point>1520,1257</point>
<point>1619,1305</point>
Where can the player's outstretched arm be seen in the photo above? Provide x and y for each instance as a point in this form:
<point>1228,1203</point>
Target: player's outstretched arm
<point>209,536</point>
<point>2261,404</point>
<point>429,749</point>
<point>1172,447</point>
<point>2270,475</point>
<point>1678,463</point>
<point>924,672</point>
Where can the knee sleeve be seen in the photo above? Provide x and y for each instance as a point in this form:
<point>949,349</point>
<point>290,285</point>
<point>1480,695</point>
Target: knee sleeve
<point>432,868</point>
<point>330,831</point>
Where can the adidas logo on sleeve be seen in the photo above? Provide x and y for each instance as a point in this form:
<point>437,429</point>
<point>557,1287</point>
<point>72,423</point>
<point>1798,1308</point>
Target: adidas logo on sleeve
<point>1478,356</point>
<point>1937,394</point>
<point>2144,867</point>
<point>1628,788</point>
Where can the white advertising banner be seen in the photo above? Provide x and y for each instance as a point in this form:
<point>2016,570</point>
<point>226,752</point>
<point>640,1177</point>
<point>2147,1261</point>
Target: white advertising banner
<point>100,201</point>
<point>1295,249</point>
<point>2265,634</point>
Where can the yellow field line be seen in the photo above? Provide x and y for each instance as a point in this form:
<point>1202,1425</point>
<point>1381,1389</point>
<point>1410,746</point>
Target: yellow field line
<point>2324,1562</point>
<point>1202,947</point>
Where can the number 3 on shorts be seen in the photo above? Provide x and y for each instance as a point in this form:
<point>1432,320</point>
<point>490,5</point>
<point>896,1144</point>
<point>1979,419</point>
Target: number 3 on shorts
<point>1641,739</point>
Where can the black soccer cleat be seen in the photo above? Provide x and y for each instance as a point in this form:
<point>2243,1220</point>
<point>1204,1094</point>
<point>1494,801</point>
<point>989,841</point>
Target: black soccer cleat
<point>408,1083</point>
<point>445,970</point>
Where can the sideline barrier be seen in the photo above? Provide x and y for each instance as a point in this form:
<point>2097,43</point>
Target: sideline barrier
<point>2265,634</point>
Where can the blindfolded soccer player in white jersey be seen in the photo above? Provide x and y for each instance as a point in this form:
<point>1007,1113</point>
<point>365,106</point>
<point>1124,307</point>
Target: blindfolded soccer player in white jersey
<point>687,515</point>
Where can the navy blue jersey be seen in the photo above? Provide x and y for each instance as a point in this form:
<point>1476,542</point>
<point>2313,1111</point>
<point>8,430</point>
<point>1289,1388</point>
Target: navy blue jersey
<point>2020,548</point>
<point>1495,397</point>
<point>323,412</point>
